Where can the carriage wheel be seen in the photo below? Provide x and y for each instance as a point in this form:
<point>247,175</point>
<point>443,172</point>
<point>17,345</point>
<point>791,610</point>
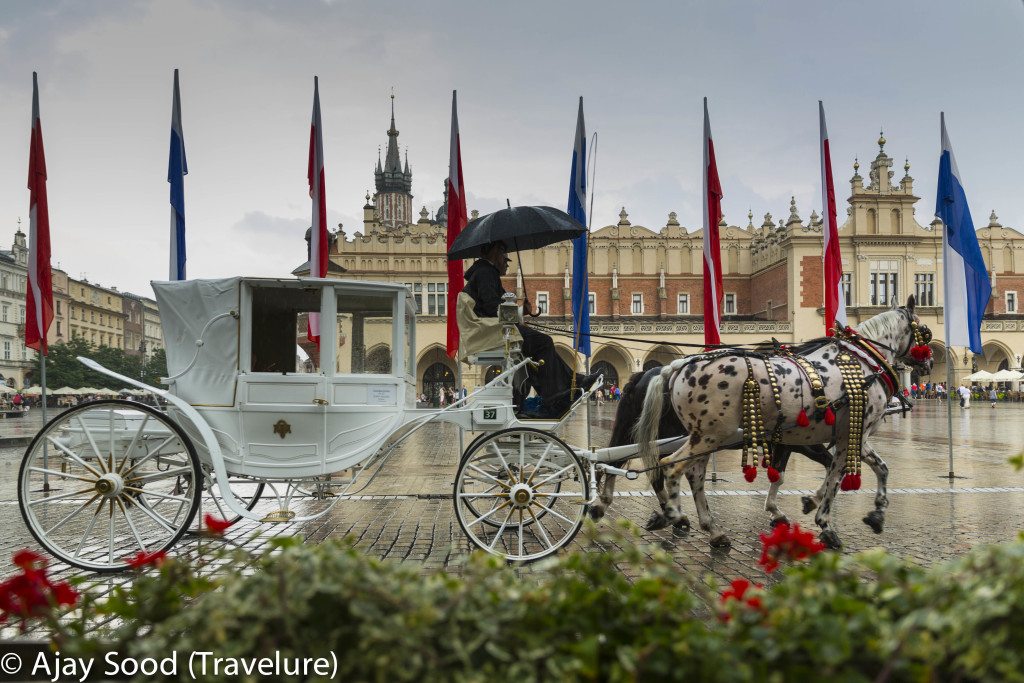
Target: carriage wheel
<point>248,491</point>
<point>520,494</point>
<point>106,480</point>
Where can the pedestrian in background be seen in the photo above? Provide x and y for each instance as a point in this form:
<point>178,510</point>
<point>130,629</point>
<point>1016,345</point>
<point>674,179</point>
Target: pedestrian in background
<point>993,396</point>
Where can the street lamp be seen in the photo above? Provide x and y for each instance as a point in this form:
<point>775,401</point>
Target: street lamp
<point>142,352</point>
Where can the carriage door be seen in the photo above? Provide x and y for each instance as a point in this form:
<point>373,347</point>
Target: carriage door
<point>283,389</point>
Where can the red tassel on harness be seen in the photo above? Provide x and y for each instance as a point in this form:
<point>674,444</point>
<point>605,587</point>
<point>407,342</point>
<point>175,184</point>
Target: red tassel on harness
<point>773,475</point>
<point>830,416</point>
<point>802,418</point>
<point>750,472</point>
<point>851,482</point>
<point>921,352</point>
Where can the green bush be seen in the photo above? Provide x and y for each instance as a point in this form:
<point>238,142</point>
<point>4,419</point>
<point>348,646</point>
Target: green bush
<point>624,613</point>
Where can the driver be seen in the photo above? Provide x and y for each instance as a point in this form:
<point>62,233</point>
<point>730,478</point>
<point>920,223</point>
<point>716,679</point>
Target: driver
<point>552,380</point>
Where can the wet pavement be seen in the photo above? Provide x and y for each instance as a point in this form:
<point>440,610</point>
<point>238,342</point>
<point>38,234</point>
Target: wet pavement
<point>406,513</point>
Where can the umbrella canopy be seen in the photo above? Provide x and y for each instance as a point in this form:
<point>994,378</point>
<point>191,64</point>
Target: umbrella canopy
<point>64,391</point>
<point>4,389</point>
<point>980,376</point>
<point>519,227</point>
<point>32,391</point>
<point>1008,376</point>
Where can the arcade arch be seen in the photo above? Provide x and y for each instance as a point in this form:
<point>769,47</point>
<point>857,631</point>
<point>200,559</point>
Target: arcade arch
<point>662,354</point>
<point>614,362</point>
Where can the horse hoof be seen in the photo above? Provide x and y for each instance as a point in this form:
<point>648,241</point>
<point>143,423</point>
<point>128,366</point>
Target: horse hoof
<point>596,513</point>
<point>721,541</point>
<point>656,521</point>
<point>780,520</point>
<point>830,539</point>
<point>876,520</point>
<point>683,524</point>
<point>809,504</point>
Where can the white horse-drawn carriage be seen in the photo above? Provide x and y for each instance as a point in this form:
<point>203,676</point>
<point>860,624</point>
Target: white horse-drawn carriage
<point>248,420</point>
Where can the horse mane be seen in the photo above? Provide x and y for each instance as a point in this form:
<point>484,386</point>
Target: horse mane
<point>874,327</point>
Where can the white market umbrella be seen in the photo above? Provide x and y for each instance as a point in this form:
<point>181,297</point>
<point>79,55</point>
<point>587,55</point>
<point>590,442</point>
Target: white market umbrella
<point>64,391</point>
<point>33,391</point>
<point>1008,376</point>
<point>981,376</point>
<point>4,389</point>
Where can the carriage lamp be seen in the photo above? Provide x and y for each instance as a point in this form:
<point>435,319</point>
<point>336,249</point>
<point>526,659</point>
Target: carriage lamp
<point>508,311</point>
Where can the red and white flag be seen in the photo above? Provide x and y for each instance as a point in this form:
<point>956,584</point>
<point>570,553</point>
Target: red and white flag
<point>712,248</point>
<point>318,244</point>
<point>456,222</point>
<point>835,301</point>
<point>39,292</point>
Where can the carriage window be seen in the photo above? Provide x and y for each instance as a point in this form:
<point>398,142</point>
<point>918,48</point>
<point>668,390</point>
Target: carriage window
<point>365,325</point>
<point>279,330</point>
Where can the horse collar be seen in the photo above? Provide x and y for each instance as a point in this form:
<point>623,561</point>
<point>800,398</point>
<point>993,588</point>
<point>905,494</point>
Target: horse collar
<point>875,360</point>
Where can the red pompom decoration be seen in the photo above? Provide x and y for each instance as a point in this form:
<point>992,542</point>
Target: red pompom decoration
<point>830,416</point>
<point>750,472</point>
<point>773,474</point>
<point>921,352</point>
<point>851,482</point>
<point>802,418</point>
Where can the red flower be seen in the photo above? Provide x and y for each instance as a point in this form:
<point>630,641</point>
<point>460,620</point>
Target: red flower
<point>216,525</point>
<point>787,543</point>
<point>31,593</point>
<point>739,591</point>
<point>143,559</point>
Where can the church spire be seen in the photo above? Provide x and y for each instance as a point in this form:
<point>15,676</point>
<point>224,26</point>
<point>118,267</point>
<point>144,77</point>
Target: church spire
<point>393,183</point>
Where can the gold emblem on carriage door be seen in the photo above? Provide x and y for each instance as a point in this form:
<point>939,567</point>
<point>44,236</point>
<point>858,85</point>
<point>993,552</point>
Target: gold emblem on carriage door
<point>281,428</point>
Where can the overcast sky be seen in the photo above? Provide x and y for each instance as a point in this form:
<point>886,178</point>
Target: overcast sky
<point>247,70</point>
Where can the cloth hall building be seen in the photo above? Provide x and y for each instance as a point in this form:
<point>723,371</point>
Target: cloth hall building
<point>646,283</point>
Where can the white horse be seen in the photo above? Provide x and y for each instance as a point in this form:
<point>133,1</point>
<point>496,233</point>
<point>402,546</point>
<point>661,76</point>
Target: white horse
<point>706,393</point>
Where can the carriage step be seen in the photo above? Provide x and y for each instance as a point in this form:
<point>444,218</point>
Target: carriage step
<point>278,516</point>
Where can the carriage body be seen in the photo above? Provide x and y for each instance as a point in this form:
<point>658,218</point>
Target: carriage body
<point>275,414</point>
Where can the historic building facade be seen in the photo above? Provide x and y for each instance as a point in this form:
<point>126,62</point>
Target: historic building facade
<point>15,358</point>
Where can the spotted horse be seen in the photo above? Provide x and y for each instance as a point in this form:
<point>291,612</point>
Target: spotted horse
<point>627,414</point>
<point>834,389</point>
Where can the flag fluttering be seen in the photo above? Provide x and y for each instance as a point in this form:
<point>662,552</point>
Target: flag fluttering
<point>577,209</point>
<point>835,299</point>
<point>318,243</point>
<point>177,169</point>
<point>967,287</point>
<point>39,292</point>
<point>456,211</point>
<point>712,248</point>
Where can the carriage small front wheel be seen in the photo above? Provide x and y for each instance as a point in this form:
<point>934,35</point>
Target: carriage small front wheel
<point>106,480</point>
<point>520,494</point>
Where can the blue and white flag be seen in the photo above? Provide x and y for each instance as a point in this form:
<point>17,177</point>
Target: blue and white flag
<point>177,167</point>
<point>967,288</point>
<point>577,209</point>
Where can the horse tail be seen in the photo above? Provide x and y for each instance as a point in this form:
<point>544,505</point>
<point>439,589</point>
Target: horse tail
<point>646,431</point>
<point>627,412</point>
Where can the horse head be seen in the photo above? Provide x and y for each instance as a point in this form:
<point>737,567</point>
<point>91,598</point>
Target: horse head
<point>914,348</point>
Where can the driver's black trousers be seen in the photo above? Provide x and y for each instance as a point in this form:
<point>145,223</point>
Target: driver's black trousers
<point>553,379</point>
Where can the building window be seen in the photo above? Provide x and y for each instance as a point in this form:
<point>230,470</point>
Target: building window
<point>436,292</point>
<point>3,281</point>
<point>21,314</point>
<point>924,289</point>
<point>882,284</point>
<point>1011,302</point>
<point>638,303</point>
<point>542,303</point>
<point>592,303</point>
<point>730,305</point>
<point>7,350</point>
<point>58,308</point>
<point>683,304</point>
<point>3,314</point>
<point>847,280</point>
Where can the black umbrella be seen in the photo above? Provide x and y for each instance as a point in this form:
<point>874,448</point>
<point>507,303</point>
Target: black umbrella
<point>519,227</point>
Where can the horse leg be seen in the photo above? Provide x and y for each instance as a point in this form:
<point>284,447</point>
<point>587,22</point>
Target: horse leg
<point>823,518</point>
<point>695,471</point>
<point>780,458</point>
<point>822,456</point>
<point>606,490</point>
<point>876,518</point>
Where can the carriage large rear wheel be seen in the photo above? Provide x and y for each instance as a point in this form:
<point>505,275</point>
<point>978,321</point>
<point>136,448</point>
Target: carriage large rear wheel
<point>107,480</point>
<point>520,494</point>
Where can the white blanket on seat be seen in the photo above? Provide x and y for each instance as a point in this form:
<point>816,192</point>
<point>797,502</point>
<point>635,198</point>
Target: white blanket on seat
<point>478,334</point>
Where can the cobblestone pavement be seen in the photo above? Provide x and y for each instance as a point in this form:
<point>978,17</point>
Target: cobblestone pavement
<point>406,513</point>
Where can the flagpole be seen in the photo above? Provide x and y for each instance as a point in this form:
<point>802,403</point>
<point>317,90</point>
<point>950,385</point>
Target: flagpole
<point>586,295</point>
<point>42,386</point>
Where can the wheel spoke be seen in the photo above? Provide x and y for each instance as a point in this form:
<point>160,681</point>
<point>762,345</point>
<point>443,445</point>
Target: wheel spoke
<point>131,525</point>
<point>540,527</point>
<point>488,513</point>
<point>92,442</point>
<point>540,463</point>
<point>495,480</point>
<point>62,475</point>
<point>68,452</point>
<point>556,514</point>
<point>148,455</point>
<point>88,529</point>
<point>50,499</point>
<point>483,495</point>
<point>131,446</point>
<point>521,530</point>
<point>556,474</point>
<point>157,476</point>
<point>497,451</point>
<point>154,516</point>
<point>110,537</point>
<point>74,513</point>
<point>502,529</point>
